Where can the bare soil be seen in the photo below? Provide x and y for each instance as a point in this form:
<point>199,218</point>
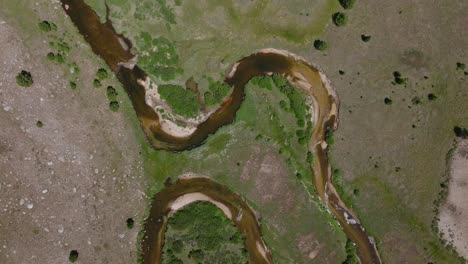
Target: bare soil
<point>72,183</point>
<point>454,213</point>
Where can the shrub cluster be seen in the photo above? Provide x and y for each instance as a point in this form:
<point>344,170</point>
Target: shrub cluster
<point>217,91</point>
<point>320,45</point>
<point>340,19</point>
<point>182,101</point>
<point>24,79</point>
<point>347,4</point>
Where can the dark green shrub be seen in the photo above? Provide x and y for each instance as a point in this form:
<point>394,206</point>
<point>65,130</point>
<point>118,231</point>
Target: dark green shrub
<point>111,93</point>
<point>97,83</point>
<point>102,74</point>
<point>130,223</point>
<point>59,58</point>
<point>398,79</point>
<point>365,38</point>
<point>460,66</point>
<point>72,85</point>
<point>320,45</point>
<point>114,106</point>
<point>51,56</point>
<point>460,132</point>
<point>73,256</point>
<point>39,124</point>
<point>217,92</point>
<point>347,4</point>
<point>45,26</point>
<point>24,79</point>
<point>431,97</point>
<point>387,101</point>
<point>340,19</point>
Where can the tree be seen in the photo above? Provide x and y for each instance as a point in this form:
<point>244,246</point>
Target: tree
<point>114,106</point>
<point>45,26</point>
<point>111,93</point>
<point>365,38</point>
<point>73,256</point>
<point>340,19</point>
<point>320,45</point>
<point>130,223</point>
<point>96,83</point>
<point>102,74</point>
<point>347,4</point>
<point>24,79</point>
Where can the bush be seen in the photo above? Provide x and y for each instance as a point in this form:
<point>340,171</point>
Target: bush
<point>102,74</point>
<point>97,83</point>
<point>59,58</point>
<point>217,92</point>
<point>130,223</point>
<point>114,106</point>
<point>73,256</point>
<point>72,85</point>
<point>340,19</point>
<point>365,38</point>
<point>39,124</point>
<point>45,26</point>
<point>347,4</point>
<point>111,93</point>
<point>398,79</point>
<point>24,79</point>
<point>460,132</point>
<point>460,66</point>
<point>431,97</point>
<point>387,101</point>
<point>182,101</point>
<point>320,45</point>
<point>51,56</point>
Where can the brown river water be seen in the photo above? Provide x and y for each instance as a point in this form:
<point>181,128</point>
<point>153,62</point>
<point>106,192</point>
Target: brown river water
<point>107,44</point>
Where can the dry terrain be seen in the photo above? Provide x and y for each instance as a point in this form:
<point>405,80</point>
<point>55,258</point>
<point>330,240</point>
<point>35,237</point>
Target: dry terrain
<point>454,212</point>
<point>72,183</point>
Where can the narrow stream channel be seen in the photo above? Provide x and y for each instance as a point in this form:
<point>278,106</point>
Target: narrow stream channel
<point>106,43</point>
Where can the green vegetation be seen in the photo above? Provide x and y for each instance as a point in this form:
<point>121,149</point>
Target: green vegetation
<point>182,101</point>
<point>97,83</point>
<point>46,26</point>
<point>157,56</point>
<point>351,253</point>
<point>320,45</point>
<point>39,124</point>
<point>73,256</point>
<point>111,93</point>
<point>201,233</point>
<point>365,38</point>
<point>51,56</point>
<point>24,79</point>
<point>130,223</point>
<point>73,85</point>
<point>102,74</point>
<point>217,91</point>
<point>388,101</point>
<point>460,66</point>
<point>347,4</point>
<point>431,97</point>
<point>398,79</point>
<point>460,132</point>
<point>114,106</point>
<point>340,19</point>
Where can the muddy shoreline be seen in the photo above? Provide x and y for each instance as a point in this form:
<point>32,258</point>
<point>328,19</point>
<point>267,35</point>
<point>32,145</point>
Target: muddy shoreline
<point>106,43</point>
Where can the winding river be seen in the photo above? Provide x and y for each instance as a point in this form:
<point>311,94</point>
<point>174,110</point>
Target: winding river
<point>114,49</point>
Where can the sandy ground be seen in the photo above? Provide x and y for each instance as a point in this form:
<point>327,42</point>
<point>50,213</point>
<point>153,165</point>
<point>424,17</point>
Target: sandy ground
<point>72,183</point>
<point>454,213</point>
<point>189,198</point>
